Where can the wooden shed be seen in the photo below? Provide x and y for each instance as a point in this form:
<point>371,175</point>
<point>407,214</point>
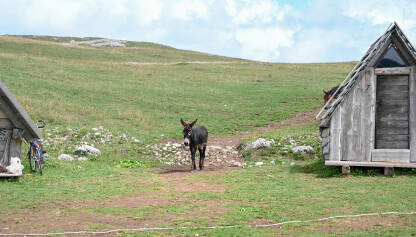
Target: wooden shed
<point>15,125</point>
<point>373,120</point>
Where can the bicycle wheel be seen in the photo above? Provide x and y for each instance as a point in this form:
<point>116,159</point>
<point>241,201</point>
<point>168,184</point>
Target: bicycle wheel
<point>31,157</point>
<point>40,162</point>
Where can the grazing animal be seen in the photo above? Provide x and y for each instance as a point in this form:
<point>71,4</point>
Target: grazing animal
<point>196,139</point>
<point>328,94</point>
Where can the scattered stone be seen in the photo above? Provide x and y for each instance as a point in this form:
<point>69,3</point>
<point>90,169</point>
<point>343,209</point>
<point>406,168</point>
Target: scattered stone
<point>260,143</point>
<point>86,149</point>
<point>302,149</point>
<point>83,158</point>
<point>15,166</point>
<point>100,43</point>
<point>259,163</point>
<point>65,157</point>
<point>272,162</point>
<point>292,163</point>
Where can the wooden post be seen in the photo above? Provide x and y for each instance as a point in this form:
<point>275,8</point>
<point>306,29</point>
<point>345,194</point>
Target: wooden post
<point>389,171</point>
<point>346,170</point>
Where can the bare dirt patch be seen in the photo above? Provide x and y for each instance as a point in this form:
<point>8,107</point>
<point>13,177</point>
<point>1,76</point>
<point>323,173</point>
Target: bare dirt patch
<point>380,223</point>
<point>127,210</point>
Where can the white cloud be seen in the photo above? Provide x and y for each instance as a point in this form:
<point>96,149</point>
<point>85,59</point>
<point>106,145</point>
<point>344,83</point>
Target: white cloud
<point>263,44</point>
<point>189,10</point>
<point>47,13</point>
<point>310,31</point>
<point>265,11</point>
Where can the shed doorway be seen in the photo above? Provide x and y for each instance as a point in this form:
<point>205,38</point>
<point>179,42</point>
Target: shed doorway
<point>392,112</point>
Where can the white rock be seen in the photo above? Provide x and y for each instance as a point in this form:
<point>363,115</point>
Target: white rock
<point>95,129</point>
<point>259,143</point>
<point>259,163</point>
<point>302,149</point>
<point>136,140</point>
<point>65,157</point>
<point>86,149</point>
<point>292,163</point>
<point>15,166</point>
<point>82,158</point>
<point>272,162</point>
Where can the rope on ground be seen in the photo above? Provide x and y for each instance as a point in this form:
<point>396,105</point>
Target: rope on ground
<point>208,227</point>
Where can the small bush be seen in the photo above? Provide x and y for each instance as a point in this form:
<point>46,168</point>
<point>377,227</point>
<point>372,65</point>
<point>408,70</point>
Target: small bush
<point>130,164</point>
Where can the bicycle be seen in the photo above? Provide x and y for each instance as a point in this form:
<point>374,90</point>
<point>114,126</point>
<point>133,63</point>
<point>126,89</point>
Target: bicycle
<point>35,153</point>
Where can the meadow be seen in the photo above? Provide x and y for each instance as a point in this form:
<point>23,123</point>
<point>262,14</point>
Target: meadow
<point>78,88</point>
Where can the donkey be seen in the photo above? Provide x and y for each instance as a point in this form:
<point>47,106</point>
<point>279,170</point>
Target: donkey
<point>328,94</point>
<point>195,138</point>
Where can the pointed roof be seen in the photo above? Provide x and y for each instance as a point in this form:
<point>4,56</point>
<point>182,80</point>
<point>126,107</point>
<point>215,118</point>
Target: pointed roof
<point>17,115</point>
<point>377,50</point>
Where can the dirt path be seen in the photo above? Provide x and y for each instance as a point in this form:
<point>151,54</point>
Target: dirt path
<point>189,62</point>
<point>177,191</point>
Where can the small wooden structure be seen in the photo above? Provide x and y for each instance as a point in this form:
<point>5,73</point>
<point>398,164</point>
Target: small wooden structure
<point>373,120</point>
<point>15,125</point>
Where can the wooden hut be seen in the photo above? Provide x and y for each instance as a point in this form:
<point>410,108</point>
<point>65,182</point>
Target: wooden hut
<point>15,125</point>
<point>373,120</point>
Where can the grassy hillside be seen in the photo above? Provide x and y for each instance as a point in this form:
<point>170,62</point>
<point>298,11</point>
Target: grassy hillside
<point>77,89</point>
<point>86,86</point>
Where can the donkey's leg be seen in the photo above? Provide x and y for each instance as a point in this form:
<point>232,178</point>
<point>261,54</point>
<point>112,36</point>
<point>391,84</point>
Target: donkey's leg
<point>193,152</point>
<point>201,157</point>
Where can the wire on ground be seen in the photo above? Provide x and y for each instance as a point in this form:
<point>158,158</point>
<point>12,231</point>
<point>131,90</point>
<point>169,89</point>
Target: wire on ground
<point>208,227</point>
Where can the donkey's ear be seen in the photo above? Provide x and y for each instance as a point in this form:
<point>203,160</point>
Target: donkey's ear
<point>183,123</point>
<point>193,123</point>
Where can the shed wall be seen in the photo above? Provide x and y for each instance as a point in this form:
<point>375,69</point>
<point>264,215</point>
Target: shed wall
<point>352,125</point>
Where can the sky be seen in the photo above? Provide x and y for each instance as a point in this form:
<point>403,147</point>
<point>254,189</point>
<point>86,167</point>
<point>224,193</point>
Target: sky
<point>302,31</point>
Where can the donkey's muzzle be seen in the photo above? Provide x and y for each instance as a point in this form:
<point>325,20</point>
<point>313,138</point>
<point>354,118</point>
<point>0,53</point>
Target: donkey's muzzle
<point>186,142</point>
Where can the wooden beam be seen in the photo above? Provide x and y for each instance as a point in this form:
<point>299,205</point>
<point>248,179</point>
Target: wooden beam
<point>412,114</point>
<point>393,71</point>
<point>390,155</point>
<point>370,164</point>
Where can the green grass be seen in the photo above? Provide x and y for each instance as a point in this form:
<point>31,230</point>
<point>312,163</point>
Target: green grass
<point>82,87</point>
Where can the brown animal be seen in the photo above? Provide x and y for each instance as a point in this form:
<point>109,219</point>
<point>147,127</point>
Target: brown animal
<point>328,94</point>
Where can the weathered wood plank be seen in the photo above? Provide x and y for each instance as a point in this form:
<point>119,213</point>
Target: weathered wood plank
<point>3,114</point>
<point>5,123</point>
<point>347,151</point>
<point>367,110</point>
<point>412,114</point>
<point>395,116</point>
<point>402,102</point>
<point>383,109</point>
<point>392,137</point>
<point>392,71</point>
<point>381,144</point>
<point>335,133</point>
<point>401,88</point>
<point>390,155</point>
<point>397,81</point>
<point>386,131</point>
<point>15,148</point>
<point>356,125</point>
<point>371,164</point>
<point>393,96</point>
<point>392,124</point>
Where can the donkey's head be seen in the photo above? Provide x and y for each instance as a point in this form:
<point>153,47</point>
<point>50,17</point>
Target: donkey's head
<point>327,95</point>
<point>187,131</point>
